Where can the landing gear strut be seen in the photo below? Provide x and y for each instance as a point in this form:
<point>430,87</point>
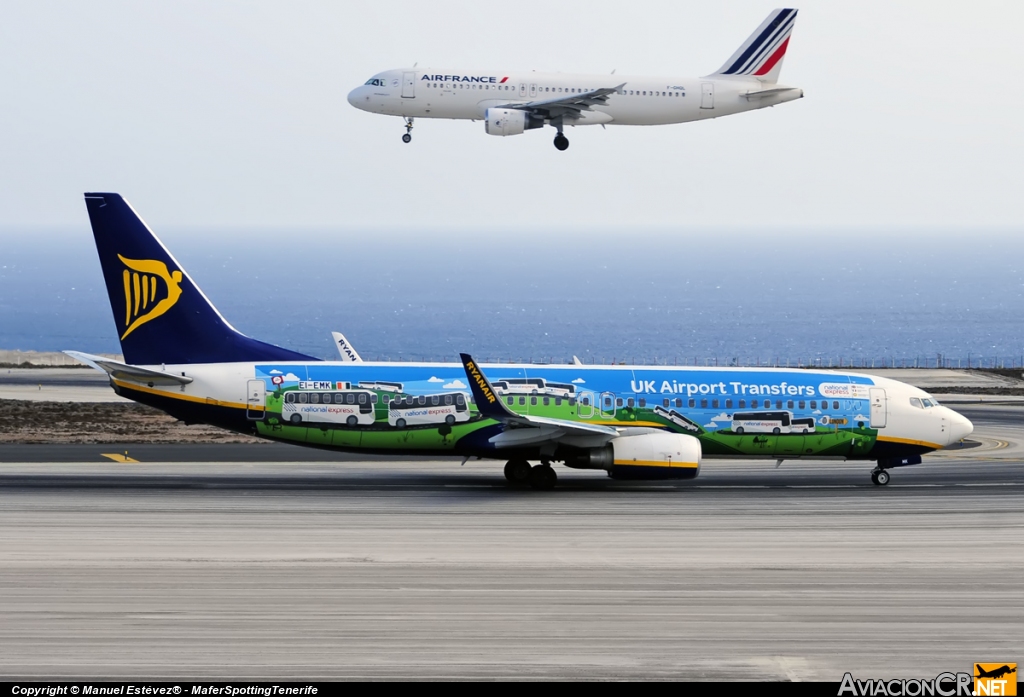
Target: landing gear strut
<point>407,138</point>
<point>879,476</point>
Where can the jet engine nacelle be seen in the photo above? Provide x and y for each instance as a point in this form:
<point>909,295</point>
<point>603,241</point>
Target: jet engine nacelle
<point>644,456</point>
<point>505,122</point>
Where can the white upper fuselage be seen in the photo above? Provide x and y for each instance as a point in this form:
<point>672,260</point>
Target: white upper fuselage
<point>640,101</point>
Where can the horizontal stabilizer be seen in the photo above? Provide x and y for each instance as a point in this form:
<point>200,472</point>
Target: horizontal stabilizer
<point>131,373</point>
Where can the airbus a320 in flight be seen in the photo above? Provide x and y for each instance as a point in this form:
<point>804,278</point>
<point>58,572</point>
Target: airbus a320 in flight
<point>512,103</point>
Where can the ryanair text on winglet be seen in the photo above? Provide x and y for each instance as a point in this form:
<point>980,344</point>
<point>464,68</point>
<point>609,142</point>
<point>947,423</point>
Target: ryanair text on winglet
<point>479,379</point>
<point>942,685</point>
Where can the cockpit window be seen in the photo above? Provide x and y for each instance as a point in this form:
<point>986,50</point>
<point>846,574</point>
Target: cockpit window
<point>915,402</point>
<point>930,403</point>
<point>923,403</point>
<point>375,81</point>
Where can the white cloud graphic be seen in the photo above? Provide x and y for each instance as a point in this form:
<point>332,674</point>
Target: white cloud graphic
<point>275,371</point>
<point>816,411</point>
<point>722,417</point>
<point>455,385</point>
<point>579,381</point>
<point>433,379</point>
<point>711,425</point>
<point>860,417</point>
<point>291,376</point>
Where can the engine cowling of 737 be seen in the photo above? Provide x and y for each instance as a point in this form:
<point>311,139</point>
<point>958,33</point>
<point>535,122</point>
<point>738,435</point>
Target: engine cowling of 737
<point>505,122</point>
<point>644,456</point>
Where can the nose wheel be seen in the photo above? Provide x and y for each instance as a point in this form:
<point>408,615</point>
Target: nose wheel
<point>880,477</point>
<point>407,138</point>
<point>561,142</point>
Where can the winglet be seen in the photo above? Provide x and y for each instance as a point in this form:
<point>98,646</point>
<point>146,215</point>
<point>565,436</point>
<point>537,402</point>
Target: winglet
<point>486,399</point>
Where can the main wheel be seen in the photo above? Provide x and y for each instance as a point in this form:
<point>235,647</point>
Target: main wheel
<point>450,420</point>
<point>543,477</point>
<point>739,430</point>
<point>874,477</point>
<point>296,419</point>
<point>352,420</point>
<point>776,431</point>
<point>882,478</point>
<point>561,142</point>
<point>400,423</point>
<point>517,471</point>
<point>407,138</point>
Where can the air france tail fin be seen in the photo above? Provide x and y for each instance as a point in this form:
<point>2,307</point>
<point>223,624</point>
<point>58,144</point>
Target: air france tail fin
<point>160,314</point>
<point>761,55</point>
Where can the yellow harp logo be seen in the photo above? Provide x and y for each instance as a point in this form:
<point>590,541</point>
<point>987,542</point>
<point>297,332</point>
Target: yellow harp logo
<point>141,290</point>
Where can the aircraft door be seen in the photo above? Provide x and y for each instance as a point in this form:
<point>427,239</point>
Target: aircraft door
<point>256,400</point>
<point>707,95</point>
<point>409,85</point>
<point>607,405</point>
<point>585,404</point>
<point>878,407</point>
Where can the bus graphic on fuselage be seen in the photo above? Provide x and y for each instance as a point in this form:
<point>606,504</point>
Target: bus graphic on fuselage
<point>427,410</point>
<point>677,418</point>
<point>348,407</point>
<point>381,386</point>
<point>533,386</point>
<point>762,422</point>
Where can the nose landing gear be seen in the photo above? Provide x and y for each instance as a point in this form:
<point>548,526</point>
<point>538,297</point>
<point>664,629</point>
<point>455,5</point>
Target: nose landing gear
<point>407,138</point>
<point>879,476</point>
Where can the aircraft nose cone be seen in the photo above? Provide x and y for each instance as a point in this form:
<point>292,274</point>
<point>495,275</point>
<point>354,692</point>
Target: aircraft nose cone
<point>352,96</point>
<point>959,427</point>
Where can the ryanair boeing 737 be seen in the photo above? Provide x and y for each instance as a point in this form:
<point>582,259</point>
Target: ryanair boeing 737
<point>512,103</point>
<point>633,422</point>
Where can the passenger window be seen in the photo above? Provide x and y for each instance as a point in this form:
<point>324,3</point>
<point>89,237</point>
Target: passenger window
<point>585,401</point>
<point>814,404</point>
<point>679,403</point>
<point>435,400</point>
<point>460,400</point>
<point>289,398</point>
<point>533,401</point>
<point>421,401</point>
<point>629,402</point>
<point>607,401</point>
<point>572,401</point>
<point>314,398</point>
<point>362,399</point>
<point>350,398</point>
<point>665,402</point>
<point>547,401</point>
<point>643,402</point>
<point>802,404</point>
<point>522,401</point>
<point>618,402</point>
<point>692,403</point>
<point>753,404</point>
<point>448,400</point>
<point>743,404</point>
<point>728,404</point>
<point>384,399</point>
<point>778,403</point>
<point>714,403</point>
<point>703,404</point>
<point>835,406</point>
<point>789,404</point>
<point>339,398</point>
<point>558,401</point>
<point>510,400</point>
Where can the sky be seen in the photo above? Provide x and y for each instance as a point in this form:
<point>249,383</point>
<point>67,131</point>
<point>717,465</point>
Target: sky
<point>207,114</point>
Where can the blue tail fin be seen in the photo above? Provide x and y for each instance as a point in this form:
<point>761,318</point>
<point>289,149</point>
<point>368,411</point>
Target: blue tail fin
<point>161,315</point>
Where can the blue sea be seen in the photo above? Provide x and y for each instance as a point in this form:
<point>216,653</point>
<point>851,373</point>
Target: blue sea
<point>727,296</point>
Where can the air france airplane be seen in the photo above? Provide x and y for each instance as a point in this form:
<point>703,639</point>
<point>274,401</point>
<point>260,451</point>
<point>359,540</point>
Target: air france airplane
<point>633,422</point>
<point>512,103</point>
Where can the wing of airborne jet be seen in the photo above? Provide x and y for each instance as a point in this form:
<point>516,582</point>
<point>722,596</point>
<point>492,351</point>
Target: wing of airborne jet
<point>568,106</point>
<point>522,429</point>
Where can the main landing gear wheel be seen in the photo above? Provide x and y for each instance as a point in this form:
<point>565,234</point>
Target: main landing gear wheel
<point>880,477</point>
<point>407,138</point>
<point>561,142</point>
<point>517,471</point>
<point>543,477</point>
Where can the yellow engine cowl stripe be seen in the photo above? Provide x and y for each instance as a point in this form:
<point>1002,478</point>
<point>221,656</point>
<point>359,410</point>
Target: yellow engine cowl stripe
<point>655,463</point>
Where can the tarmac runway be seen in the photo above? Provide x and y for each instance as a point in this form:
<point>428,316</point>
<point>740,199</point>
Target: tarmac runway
<point>273,562</point>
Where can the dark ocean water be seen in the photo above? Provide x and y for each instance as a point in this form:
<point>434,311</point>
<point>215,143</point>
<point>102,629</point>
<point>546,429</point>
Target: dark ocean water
<point>619,295</point>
